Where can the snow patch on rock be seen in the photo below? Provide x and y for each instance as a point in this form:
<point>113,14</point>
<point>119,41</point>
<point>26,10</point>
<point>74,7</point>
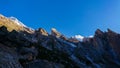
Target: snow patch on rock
<point>78,37</point>
<point>15,20</point>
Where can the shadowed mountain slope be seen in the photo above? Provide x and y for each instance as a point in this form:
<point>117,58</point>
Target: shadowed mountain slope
<point>21,48</point>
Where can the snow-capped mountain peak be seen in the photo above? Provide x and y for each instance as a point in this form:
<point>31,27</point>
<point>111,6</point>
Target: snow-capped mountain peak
<point>78,37</point>
<point>1,15</point>
<point>15,20</point>
<point>91,36</point>
<point>81,38</point>
<point>13,23</point>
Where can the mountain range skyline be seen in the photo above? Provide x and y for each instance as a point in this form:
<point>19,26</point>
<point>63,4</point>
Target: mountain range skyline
<point>59,33</point>
<point>12,23</point>
<point>23,47</point>
<point>78,17</point>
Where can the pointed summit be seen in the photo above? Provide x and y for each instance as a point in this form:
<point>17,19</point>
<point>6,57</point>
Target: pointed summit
<point>9,23</point>
<point>98,32</point>
<point>12,23</point>
<point>54,32</point>
<point>15,20</point>
<point>42,31</point>
<point>110,31</point>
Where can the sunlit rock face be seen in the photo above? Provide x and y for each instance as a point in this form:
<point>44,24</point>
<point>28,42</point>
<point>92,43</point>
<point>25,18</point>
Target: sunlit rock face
<point>54,32</point>
<point>57,34</point>
<point>39,49</point>
<point>13,23</point>
<point>42,32</point>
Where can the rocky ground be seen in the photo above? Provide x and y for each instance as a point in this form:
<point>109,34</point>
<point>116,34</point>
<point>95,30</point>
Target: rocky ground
<point>43,50</point>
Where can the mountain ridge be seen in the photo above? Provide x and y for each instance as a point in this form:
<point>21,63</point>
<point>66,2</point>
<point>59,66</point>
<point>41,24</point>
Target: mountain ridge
<point>21,48</point>
<point>19,26</point>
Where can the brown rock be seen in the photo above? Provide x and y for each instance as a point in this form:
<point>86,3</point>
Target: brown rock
<point>54,32</point>
<point>42,32</point>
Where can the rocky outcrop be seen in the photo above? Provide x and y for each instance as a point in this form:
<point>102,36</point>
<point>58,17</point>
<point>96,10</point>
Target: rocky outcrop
<point>57,34</point>
<point>41,31</point>
<point>13,23</point>
<point>8,58</point>
<point>54,32</point>
<point>43,64</point>
<point>40,50</point>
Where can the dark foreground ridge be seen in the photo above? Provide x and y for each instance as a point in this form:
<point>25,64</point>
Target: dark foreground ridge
<point>43,50</point>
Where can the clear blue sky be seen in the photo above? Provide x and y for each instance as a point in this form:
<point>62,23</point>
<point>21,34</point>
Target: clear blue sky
<point>70,17</point>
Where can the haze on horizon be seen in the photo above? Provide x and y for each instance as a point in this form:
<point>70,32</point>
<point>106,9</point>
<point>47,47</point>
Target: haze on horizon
<point>70,17</point>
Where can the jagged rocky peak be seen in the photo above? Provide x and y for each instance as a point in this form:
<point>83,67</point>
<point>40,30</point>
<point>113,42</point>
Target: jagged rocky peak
<point>99,33</point>
<point>57,34</point>
<point>42,31</point>
<point>110,32</point>
<point>54,32</point>
<point>13,23</point>
<point>10,23</point>
<point>24,50</point>
<point>16,21</point>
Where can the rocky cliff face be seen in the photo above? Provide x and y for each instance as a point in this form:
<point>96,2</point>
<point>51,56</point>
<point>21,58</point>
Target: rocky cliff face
<point>39,49</point>
<point>13,23</point>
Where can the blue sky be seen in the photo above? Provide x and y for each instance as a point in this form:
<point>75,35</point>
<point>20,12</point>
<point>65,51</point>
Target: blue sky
<point>70,17</point>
